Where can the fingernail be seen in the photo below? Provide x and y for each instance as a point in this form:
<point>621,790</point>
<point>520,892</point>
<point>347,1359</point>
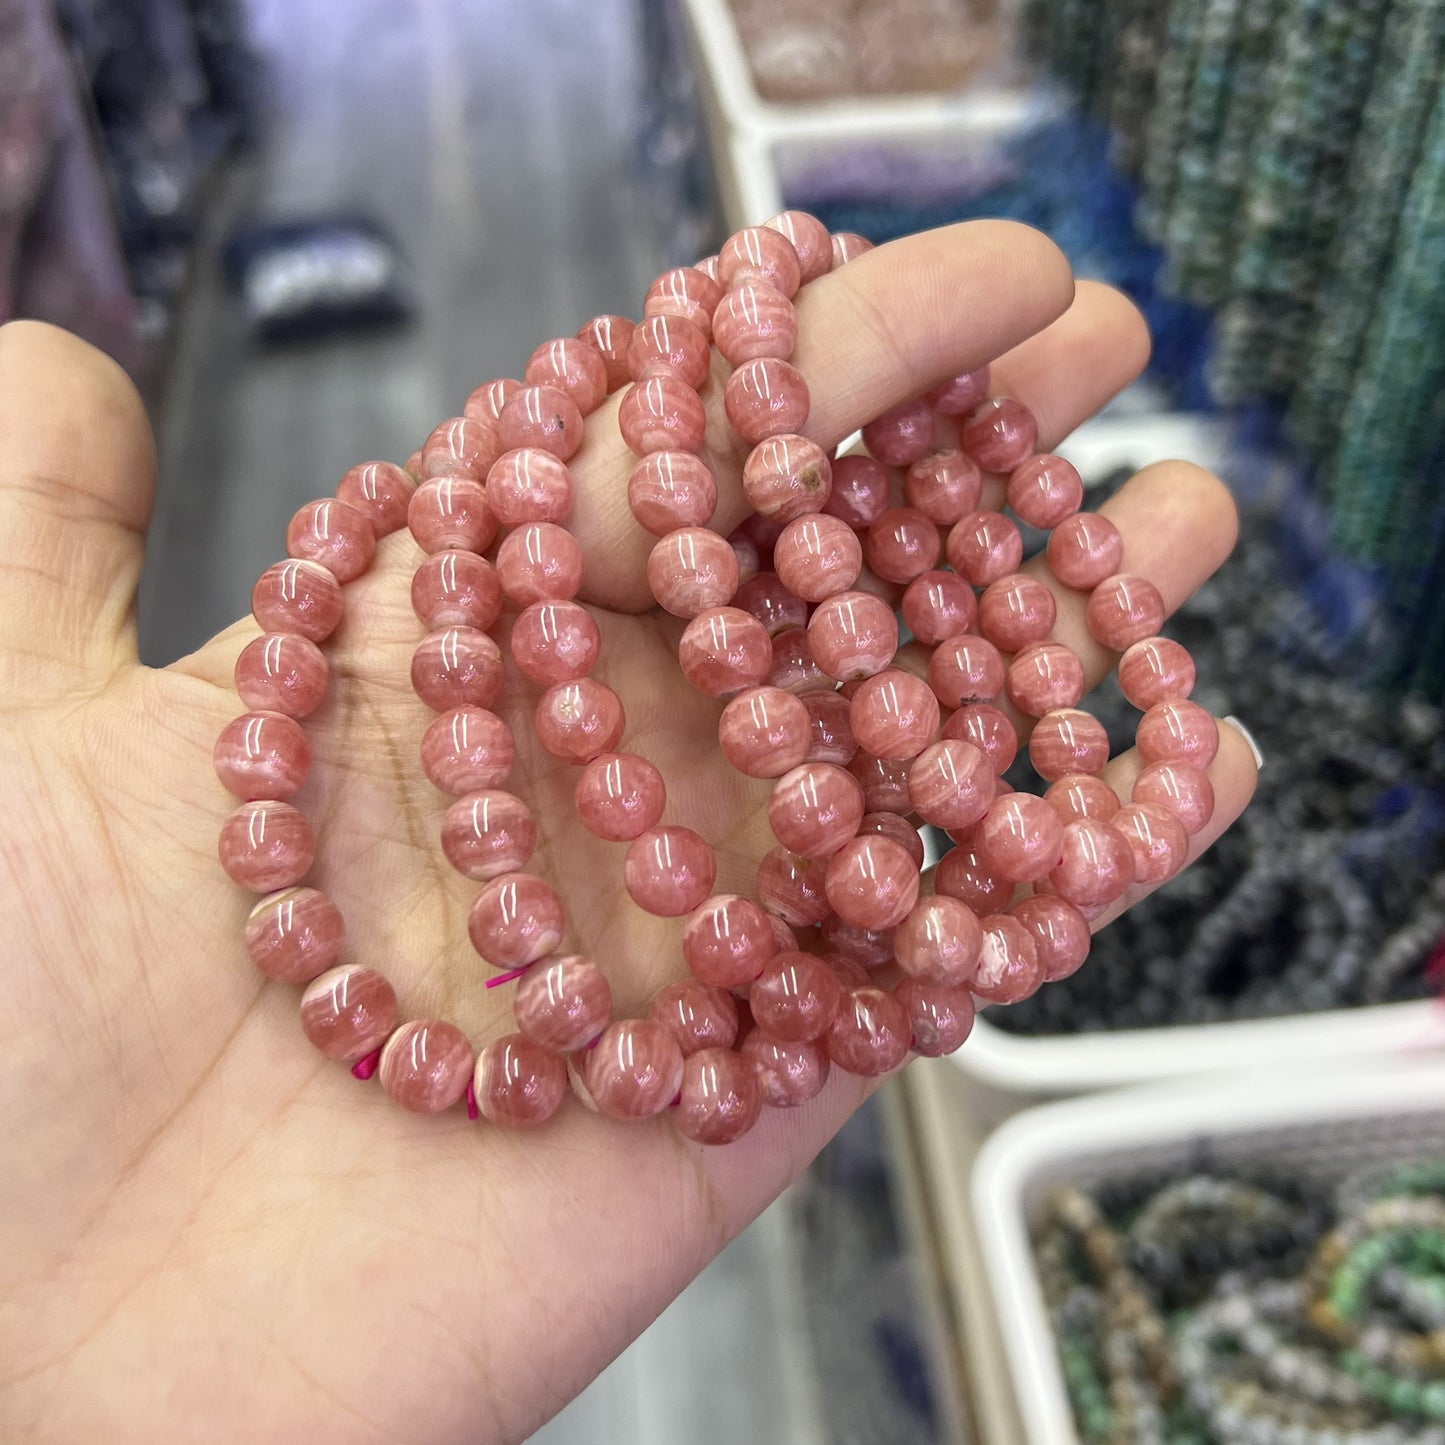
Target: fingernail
<point>1248,736</point>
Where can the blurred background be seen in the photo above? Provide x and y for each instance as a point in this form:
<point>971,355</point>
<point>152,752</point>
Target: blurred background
<point>309,229</point>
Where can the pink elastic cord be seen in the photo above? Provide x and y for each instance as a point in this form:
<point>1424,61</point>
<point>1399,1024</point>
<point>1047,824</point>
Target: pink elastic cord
<point>507,977</point>
<point>365,1066</point>
<point>472,1111</point>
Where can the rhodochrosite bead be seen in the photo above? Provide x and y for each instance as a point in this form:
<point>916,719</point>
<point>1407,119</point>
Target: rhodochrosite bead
<point>668,490</point>
<point>541,416</point>
<point>1096,864</point>
<point>460,447</point>
<point>902,435</point>
<point>962,874</point>
<point>848,246</point>
<point>984,546</point>
<point>937,606</point>
<point>380,491</point>
<point>1156,670</point>
<point>766,398</point>
<point>964,670</point>
<point>764,732</point>
<point>608,335</point>
<point>870,1033</point>
<point>294,935</point>
<point>563,1003</point>
<point>426,1066</point>
<point>1045,677</point>
<point>950,783</point>
<point>457,667</point>
<point>1068,741</point>
<point>939,941</point>
<point>940,1018</point>
<point>901,545</point>
<point>727,941</point>
<point>789,1073</point>
<point>282,672</point>
<point>872,882</point>
<point>884,782</point>
<point>793,888</point>
<point>539,562</point>
<point>670,346</point>
<point>572,367</point>
<point>529,485</point>
<point>870,947</point>
<point>697,1015</point>
<point>759,253</point>
<point>515,920</point>
<point>860,491</point>
<point>794,667</point>
<point>891,825</point>
<point>300,597</point>
<point>725,650</point>
<point>267,845</point>
<point>487,400</point>
<point>1177,732</point>
<point>721,1098</point>
<point>687,293</point>
<point>961,394</point>
<point>1015,611</point>
<point>1157,838</point>
<point>555,642</point>
<point>810,241</point>
<point>765,596</point>
<point>1060,933</point>
<point>1124,610</point>
<point>1080,795</point>
<point>466,749</point>
<point>787,476</point>
<point>1008,963</point>
<point>451,512</point>
<point>1045,490</point>
<point>517,1083</point>
<point>853,635</point>
<point>487,834</point>
<point>944,486</point>
<point>669,871</point>
<point>333,535</point>
<point>456,589</point>
<point>818,556</point>
<point>1019,837</point>
<point>1000,434</point>
<point>692,569</point>
<point>262,755</point>
<point>754,321</point>
<point>894,714</point>
<point>833,740</point>
<point>794,997</point>
<point>1085,549</point>
<point>348,1011</point>
<point>620,796</point>
<point>1182,788</point>
<point>815,809</point>
<point>635,1071</point>
<point>989,730</point>
<point>580,720</point>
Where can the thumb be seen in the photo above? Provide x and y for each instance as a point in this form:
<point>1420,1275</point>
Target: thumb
<point>77,475</point>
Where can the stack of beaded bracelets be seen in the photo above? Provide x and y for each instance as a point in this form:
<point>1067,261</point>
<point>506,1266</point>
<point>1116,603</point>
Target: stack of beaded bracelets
<point>784,631</point>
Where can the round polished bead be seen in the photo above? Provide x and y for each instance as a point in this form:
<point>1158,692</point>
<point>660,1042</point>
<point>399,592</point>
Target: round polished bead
<point>1177,732</point>
<point>794,668</point>
<point>488,833</point>
<point>1016,611</point>
<point>721,1097</point>
<point>515,920</point>
<point>759,254</point>
<point>620,796</point>
<point>540,562</point>
<point>299,597</point>
<point>1080,795</point>
<point>765,596</point>
<point>944,486</point>
<point>1045,677</point>
<point>518,1084</point>
<point>580,720</point>
<point>853,635</point>
<point>1008,963</point>
<point>897,827</point>
<point>1000,434</point>
<point>662,413</point>
<point>571,367</point>
<point>541,416</point>
<point>691,570</point>
<point>262,755</point>
<point>848,246</point>
<point>1085,549</point>
<point>687,294</point>
<point>697,1015</point>
<point>831,717</point>
<point>884,782</point>
<point>950,783</point>
<point>563,1003</point>
<point>668,490</point>
<point>764,732</point>
<point>608,335</point>
<point>984,547</point>
<point>461,446</point>
<point>451,512</point>
<point>412,466</point>
<point>725,650</point>
<point>939,1017</point>
<point>456,589</point>
<point>810,240</point>
<point>294,935</point>
<point>467,749</point>
<point>860,492</point>
<point>487,400</point>
<point>1096,864</point>
<point>746,551</point>
<point>1019,837</point>
<point>901,545</point>
<point>708,266</point>
<point>964,670</point>
<point>381,492</point>
<point>1060,932</point>
<point>1157,838</point>
<point>670,346</point>
<point>1155,670</point>
<point>1182,788</point>
<point>962,874</point>
<point>755,321</point>
<point>789,1074</point>
<point>793,888</point>
<point>960,394</point>
<point>282,673</point>
<point>426,1066</point>
<point>989,730</point>
<point>1124,610</point>
<point>348,1011</point>
<point>815,809</point>
<point>872,882</point>
<point>902,435</point>
<point>795,997</point>
<point>868,947</point>
<point>939,941</point>
<point>766,398</point>
<point>787,476</point>
<point>669,871</point>
<point>635,1071</point>
<point>529,485</point>
<point>555,642</point>
<point>727,940</point>
<point>937,606</point>
<point>333,535</point>
<point>1045,490</point>
<point>457,667</point>
<point>267,845</point>
<point>818,557</point>
<point>870,1034</point>
<point>848,971</point>
<point>1068,741</point>
<point>894,714</point>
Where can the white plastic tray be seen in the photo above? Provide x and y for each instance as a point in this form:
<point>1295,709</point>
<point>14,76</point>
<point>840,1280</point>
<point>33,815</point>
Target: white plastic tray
<point>1328,1120</point>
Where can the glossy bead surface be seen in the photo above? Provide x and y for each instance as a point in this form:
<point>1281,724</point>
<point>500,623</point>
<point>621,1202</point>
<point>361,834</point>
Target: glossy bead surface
<point>1068,741</point>
<point>1096,864</point>
<point>939,1017</point>
<point>937,606</point>
<point>1008,963</point>
<point>1016,611</point>
<point>635,1071</point>
<point>461,447</point>
<point>721,1097</point>
<point>867,947</point>
<point>1155,670</point>
<point>662,413</point>
<point>697,1015</point>
<point>830,715</point>
<point>620,796</point>
<point>848,246</point>
<point>764,732</point>
<point>451,512</point>
<point>578,721</point>
<point>1182,788</point>
<point>488,833</point>
<point>870,1034</point>
<point>853,635</point>
<point>687,294</point>
<point>902,435</point>
<point>1060,932</point>
<point>563,1003</point>
<point>672,346</point>
<point>1085,549</point>
<point>457,667</point>
<point>759,253</point>
<point>456,589</point>
<point>817,557</point>
<point>1177,732</point>
<point>962,874</point>
<point>1019,837</point>
<point>1157,838</point>
<point>608,335</point>
<point>765,596</point>
<point>960,394</point>
<point>333,535</point>
<point>518,1084</point>
<point>691,570</point>
<point>795,997</point>
<point>426,1066</point>
<point>541,416</point>
<point>571,367</point>
<point>1080,795</point>
<point>872,882</point>
<point>860,492</point>
<point>1000,434</point>
<point>294,935</point>
<point>381,492</point>
<point>725,650</point>
<point>943,485</point>
<point>815,808</point>
<point>1045,677</point>
<point>989,730</point>
<point>793,887</point>
<point>894,714</point>
<point>529,485</point>
<point>668,490</point>
<point>901,545</point>
<point>540,562</point>
<point>1124,610</point>
<point>884,782</point>
<point>754,321</point>
<point>555,642</point>
<point>727,940</point>
<point>964,670</point>
<point>810,241</point>
<point>939,941</point>
<point>766,398</point>
<point>1044,490</point>
<point>262,755</point>
<point>490,397</point>
<point>266,845</point>
<point>466,749</point>
<point>898,828</point>
<point>298,597</point>
<point>950,783</point>
<point>669,871</point>
<point>515,920</point>
<point>787,476</point>
<point>348,1011</point>
<point>794,668</point>
<point>789,1074</point>
<point>984,547</point>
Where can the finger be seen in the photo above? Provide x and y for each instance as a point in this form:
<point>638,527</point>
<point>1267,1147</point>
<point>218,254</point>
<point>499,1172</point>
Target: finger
<point>77,475</point>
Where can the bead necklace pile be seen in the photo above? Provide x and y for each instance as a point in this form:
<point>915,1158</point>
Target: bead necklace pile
<point>782,632</point>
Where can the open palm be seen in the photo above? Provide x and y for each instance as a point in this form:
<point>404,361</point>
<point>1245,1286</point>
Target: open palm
<point>209,1232</point>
